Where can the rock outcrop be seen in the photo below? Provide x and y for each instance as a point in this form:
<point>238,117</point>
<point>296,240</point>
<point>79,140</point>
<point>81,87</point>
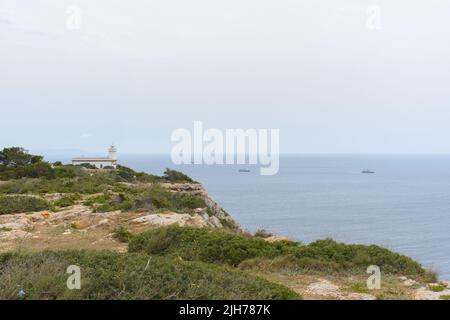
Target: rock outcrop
<point>16,227</point>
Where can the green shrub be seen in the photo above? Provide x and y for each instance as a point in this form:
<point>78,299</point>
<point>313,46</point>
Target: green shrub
<point>149,198</point>
<point>65,171</point>
<point>125,174</point>
<point>20,204</point>
<point>108,275</point>
<point>87,166</point>
<point>67,200</point>
<point>122,234</point>
<point>204,244</point>
<point>360,257</point>
<point>437,287</point>
<point>176,177</point>
<point>229,224</point>
<point>83,184</point>
<point>34,170</point>
<point>289,263</point>
<point>216,246</point>
<point>261,233</point>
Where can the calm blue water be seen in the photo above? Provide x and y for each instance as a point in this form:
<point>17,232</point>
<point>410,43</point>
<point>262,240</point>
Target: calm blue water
<point>405,206</point>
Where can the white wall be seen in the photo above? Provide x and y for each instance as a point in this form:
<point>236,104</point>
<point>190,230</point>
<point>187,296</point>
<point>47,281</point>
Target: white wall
<point>98,164</point>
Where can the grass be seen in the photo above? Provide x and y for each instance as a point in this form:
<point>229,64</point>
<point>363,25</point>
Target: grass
<point>20,204</point>
<point>107,275</point>
<point>445,297</point>
<point>250,253</point>
<point>358,287</point>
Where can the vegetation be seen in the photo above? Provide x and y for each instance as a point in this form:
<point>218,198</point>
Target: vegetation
<point>87,166</point>
<point>149,198</point>
<point>176,176</point>
<point>19,204</point>
<point>67,200</point>
<point>108,275</point>
<point>261,233</point>
<point>437,287</point>
<point>204,245</point>
<point>17,163</point>
<point>16,156</point>
<point>122,234</point>
<point>219,247</point>
<point>169,262</point>
<point>120,189</point>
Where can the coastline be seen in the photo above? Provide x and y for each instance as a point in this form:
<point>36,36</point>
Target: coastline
<point>171,216</point>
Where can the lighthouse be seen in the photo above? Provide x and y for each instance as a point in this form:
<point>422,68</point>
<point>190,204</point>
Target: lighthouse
<point>108,162</point>
<point>112,152</point>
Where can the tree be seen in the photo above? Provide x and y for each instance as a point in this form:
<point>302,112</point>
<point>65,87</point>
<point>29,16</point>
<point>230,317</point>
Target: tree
<point>17,156</point>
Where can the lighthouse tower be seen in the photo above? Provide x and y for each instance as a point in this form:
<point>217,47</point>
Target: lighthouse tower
<point>112,152</point>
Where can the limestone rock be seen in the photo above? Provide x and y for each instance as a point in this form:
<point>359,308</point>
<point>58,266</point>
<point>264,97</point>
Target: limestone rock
<point>172,218</point>
<point>424,293</point>
<point>409,283</point>
<point>15,225</point>
<point>326,289</point>
<point>14,235</point>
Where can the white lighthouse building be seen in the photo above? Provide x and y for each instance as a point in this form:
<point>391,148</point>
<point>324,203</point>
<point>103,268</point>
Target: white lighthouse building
<point>100,162</point>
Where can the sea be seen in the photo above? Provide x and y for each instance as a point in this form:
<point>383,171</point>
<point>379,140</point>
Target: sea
<point>404,205</point>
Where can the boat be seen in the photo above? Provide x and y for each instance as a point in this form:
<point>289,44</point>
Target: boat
<point>368,171</point>
<point>244,170</point>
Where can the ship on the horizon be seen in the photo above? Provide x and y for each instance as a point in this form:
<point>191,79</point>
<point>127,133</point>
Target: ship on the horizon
<point>368,171</point>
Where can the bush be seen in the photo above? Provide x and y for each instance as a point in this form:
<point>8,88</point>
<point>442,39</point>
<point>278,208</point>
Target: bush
<point>122,234</point>
<point>83,184</point>
<point>216,246</point>
<point>126,174</point>
<point>176,176</point>
<point>65,171</point>
<point>360,257</point>
<point>87,166</point>
<point>34,170</point>
<point>206,245</point>
<point>67,200</point>
<point>20,204</point>
<point>108,275</point>
<point>149,198</point>
<point>261,233</point>
<point>437,287</point>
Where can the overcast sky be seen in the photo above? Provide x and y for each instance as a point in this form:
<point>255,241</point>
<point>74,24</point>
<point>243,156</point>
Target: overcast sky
<point>136,70</point>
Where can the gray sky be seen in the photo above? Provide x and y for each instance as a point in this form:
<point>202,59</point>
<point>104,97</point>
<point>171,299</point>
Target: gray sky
<point>136,70</point>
